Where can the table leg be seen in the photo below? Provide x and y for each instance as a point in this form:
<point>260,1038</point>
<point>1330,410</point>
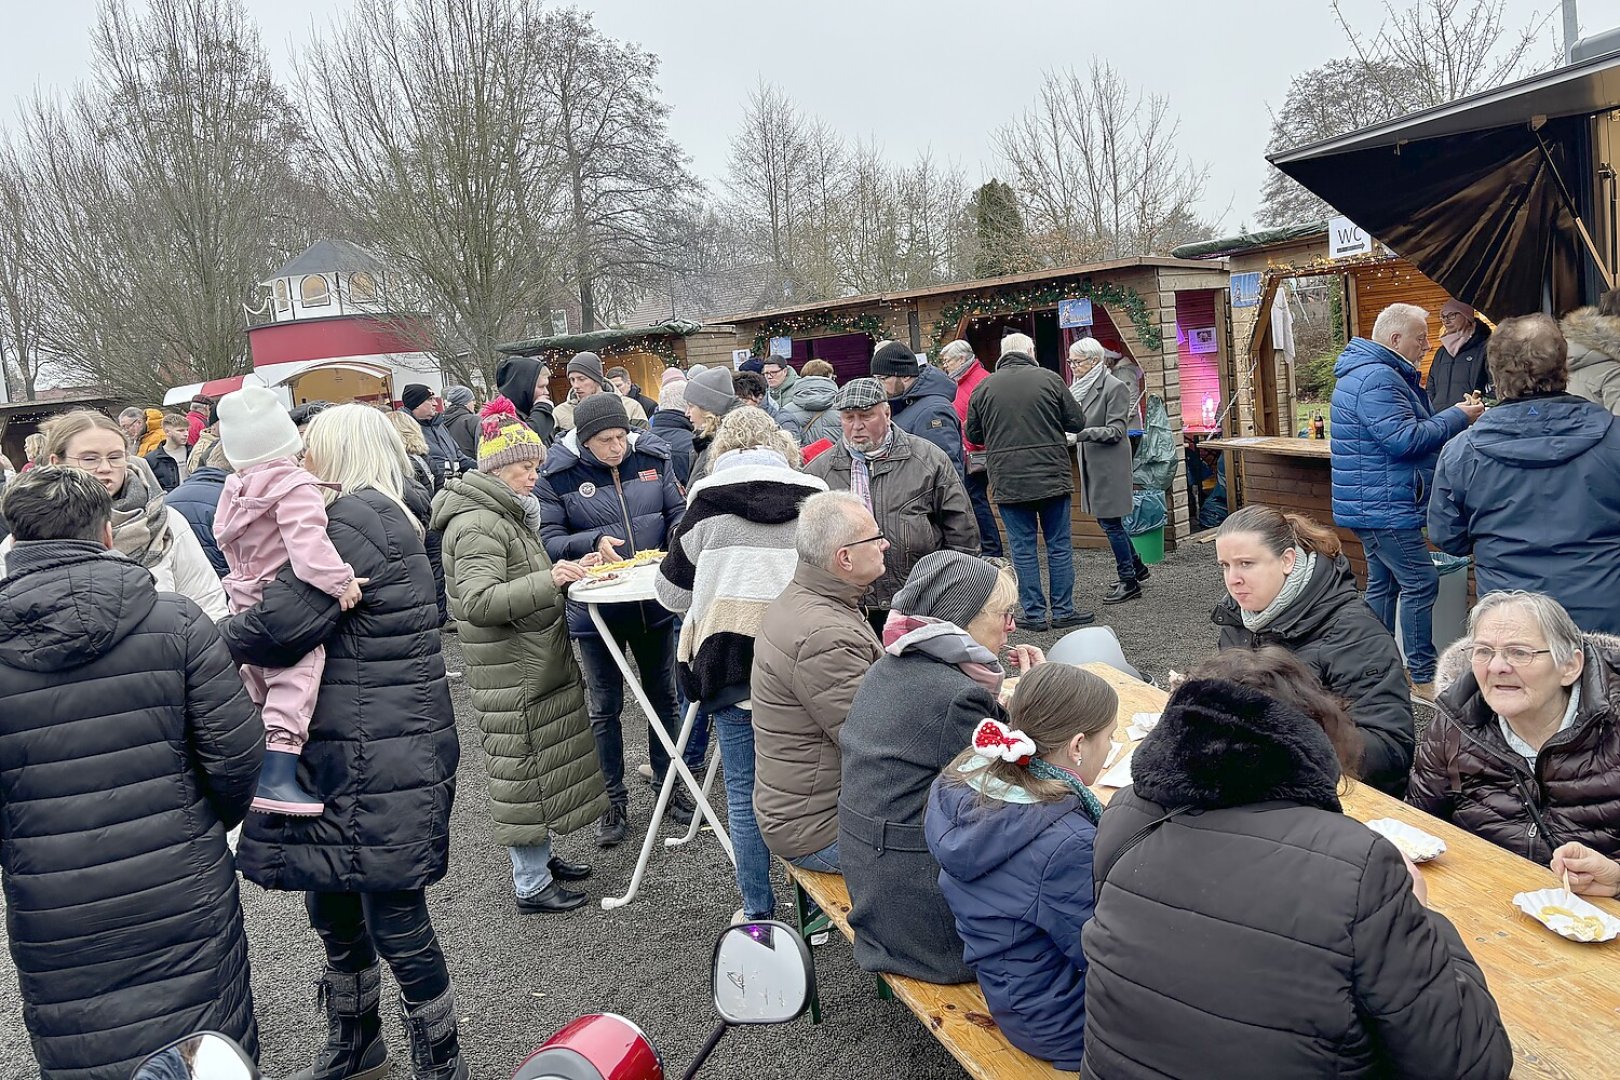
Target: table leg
<point>677,767</point>
<point>708,786</point>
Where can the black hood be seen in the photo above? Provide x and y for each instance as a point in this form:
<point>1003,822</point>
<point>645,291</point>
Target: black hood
<point>514,378</point>
<point>1221,745</point>
<point>64,604</point>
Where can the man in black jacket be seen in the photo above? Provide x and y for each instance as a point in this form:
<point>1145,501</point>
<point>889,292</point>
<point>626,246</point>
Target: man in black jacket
<point>444,457</point>
<point>131,747</point>
<point>526,383</point>
<point>460,420</point>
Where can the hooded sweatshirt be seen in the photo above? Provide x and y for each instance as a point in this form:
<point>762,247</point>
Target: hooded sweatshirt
<point>514,378</point>
<point>928,410</point>
<point>1532,491</point>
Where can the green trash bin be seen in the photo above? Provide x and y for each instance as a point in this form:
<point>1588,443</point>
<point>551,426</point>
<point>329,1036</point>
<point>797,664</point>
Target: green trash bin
<point>1145,525</point>
<point>1150,545</point>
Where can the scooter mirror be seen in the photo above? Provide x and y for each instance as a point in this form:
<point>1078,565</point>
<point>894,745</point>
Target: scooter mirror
<point>762,974</point>
<point>208,1055</point>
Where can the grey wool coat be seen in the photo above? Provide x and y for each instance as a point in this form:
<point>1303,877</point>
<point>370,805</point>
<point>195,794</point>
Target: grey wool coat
<point>526,686</point>
<point>1105,449</point>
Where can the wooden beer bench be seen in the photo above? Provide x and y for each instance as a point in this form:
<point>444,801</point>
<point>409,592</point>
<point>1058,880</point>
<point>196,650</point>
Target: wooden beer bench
<point>955,1015</point>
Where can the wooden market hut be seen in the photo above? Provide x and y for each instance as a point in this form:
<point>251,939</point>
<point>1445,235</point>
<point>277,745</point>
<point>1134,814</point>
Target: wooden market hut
<point>1168,316</point>
<point>644,352</point>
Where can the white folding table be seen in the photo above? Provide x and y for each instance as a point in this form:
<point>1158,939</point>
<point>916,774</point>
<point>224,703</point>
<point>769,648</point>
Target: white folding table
<point>635,586</point>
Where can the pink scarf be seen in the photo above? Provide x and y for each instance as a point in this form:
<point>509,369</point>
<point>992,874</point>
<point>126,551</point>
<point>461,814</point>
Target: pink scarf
<point>945,642</point>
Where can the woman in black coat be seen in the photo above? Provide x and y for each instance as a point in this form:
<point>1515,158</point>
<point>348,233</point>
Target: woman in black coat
<point>1244,926</point>
<point>382,753</point>
<point>1288,584</point>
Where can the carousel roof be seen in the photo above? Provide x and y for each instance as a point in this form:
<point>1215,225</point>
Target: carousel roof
<point>325,256</point>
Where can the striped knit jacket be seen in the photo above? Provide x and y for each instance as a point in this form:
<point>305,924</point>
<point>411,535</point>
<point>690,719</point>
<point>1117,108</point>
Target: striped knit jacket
<point>731,555</point>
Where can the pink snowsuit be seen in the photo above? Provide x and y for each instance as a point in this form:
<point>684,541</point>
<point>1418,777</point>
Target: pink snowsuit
<point>270,515</point>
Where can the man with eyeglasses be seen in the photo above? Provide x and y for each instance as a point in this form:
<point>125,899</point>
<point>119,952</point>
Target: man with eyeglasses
<point>910,486</point>
<point>811,653</point>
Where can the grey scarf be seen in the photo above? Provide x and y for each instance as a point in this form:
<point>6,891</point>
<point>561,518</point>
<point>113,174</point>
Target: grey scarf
<point>531,511</point>
<point>1293,585</point>
<point>1082,386</point>
<point>140,522</point>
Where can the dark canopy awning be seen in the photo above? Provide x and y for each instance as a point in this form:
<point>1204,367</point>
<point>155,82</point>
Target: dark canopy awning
<point>1482,195</point>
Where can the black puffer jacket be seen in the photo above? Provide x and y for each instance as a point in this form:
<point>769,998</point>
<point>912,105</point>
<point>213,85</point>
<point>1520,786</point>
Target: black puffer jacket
<point>127,749</point>
<point>382,750</point>
<point>1333,630</point>
<point>1259,932</point>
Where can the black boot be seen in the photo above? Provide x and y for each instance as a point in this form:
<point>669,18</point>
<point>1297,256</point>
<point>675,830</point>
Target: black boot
<point>354,1044</point>
<point>1123,591</point>
<point>435,1052</point>
<point>611,829</point>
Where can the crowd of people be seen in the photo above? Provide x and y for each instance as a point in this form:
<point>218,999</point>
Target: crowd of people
<point>258,644</point>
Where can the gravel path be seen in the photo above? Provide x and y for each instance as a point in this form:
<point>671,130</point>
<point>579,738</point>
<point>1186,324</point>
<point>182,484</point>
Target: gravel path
<point>519,978</point>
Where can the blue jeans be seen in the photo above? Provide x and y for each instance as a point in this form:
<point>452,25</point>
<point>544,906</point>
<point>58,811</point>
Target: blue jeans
<point>978,489</point>
<point>1399,568</point>
<point>1048,518</point>
<point>1126,560</point>
<point>531,870</point>
<point>654,653</point>
<point>824,861</point>
<point>735,729</point>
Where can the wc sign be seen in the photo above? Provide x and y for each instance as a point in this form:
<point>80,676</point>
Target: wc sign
<point>1345,239</point>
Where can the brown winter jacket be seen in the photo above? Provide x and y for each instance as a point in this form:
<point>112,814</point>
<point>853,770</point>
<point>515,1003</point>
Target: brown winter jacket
<point>812,651</point>
<point>918,500</point>
<point>1466,773</point>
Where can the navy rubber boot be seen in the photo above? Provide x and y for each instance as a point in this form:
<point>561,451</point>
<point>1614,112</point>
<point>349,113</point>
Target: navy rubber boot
<point>279,791</point>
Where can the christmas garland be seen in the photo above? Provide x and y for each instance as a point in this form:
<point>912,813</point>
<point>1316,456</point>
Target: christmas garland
<point>999,301</point>
<point>790,325</point>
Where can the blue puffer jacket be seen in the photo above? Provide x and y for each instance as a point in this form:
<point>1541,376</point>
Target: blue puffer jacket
<point>1385,439</point>
<point>1533,493</point>
<point>582,500</point>
<point>928,410</point>
<point>197,499</point>
<point>1017,876</point>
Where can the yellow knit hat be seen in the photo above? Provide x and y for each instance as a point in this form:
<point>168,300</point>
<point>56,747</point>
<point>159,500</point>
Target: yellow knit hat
<point>505,439</point>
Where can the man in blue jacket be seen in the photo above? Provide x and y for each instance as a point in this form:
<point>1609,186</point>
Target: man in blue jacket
<point>1386,439</point>
<point>922,400</point>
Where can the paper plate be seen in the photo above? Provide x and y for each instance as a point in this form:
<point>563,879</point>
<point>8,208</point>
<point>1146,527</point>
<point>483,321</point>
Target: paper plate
<point>1118,773</point>
<point>1414,843</point>
<point>599,582</point>
<point>1568,915</point>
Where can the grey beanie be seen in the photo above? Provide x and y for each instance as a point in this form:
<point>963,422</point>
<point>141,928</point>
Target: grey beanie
<point>458,395</point>
<point>947,585</point>
<point>598,413</point>
<point>589,364</point>
<point>712,390</point>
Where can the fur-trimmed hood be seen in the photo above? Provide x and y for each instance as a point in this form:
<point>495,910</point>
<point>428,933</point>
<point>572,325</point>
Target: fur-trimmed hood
<point>1223,745</point>
<point>1593,338</point>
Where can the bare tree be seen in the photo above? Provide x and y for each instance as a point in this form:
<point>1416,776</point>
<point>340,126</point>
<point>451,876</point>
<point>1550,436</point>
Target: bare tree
<point>442,149</point>
<point>1097,169</point>
<point>765,177</point>
<point>24,301</point>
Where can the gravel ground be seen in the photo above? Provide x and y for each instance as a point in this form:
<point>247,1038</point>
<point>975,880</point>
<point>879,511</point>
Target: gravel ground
<point>519,978</point>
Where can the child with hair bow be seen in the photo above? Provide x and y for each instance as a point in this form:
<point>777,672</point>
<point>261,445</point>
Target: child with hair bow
<point>1011,822</point>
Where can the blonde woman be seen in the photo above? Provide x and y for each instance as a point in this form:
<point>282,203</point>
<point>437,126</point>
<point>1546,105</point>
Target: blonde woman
<point>416,447</point>
<point>382,752</point>
<point>709,397</point>
<point>145,528</point>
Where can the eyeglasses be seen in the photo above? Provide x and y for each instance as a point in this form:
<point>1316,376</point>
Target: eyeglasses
<point>1009,618</point>
<point>92,462</point>
<point>1516,655</point>
<point>868,540</point>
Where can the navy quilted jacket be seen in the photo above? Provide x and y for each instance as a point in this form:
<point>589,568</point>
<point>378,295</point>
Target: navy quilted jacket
<point>928,410</point>
<point>582,500</point>
<point>1017,877</point>
<point>1386,439</point>
<point>197,499</point>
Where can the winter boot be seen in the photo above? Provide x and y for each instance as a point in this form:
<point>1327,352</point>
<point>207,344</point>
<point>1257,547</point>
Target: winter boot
<point>435,1052</point>
<point>354,1044</point>
<point>279,791</point>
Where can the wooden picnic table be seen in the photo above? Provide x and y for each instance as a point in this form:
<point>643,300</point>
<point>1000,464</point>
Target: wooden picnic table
<point>1559,999</point>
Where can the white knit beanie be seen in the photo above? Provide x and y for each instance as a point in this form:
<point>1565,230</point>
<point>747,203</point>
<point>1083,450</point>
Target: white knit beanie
<point>254,428</point>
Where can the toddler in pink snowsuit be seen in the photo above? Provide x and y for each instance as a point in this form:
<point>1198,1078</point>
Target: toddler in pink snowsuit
<point>272,513</point>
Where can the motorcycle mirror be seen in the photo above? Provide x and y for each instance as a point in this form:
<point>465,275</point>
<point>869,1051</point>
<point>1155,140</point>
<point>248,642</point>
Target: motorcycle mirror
<point>762,974</point>
<point>207,1055</point>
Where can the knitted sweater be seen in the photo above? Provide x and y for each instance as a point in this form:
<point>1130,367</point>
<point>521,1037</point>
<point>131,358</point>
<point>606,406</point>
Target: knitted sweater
<point>731,555</point>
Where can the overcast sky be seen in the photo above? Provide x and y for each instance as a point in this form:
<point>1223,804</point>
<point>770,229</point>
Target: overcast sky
<point>909,73</point>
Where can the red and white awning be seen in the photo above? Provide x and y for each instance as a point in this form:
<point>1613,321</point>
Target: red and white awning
<point>272,375</point>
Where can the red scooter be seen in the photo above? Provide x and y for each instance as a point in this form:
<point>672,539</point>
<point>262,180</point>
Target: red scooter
<point>761,974</point>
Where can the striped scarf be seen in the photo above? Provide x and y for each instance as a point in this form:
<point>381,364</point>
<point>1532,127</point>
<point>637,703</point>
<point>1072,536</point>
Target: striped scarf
<point>860,478</point>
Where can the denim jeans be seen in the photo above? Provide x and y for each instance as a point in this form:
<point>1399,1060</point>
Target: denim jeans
<point>734,728</point>
<point>978,489</point>
<point>1126,560</point>
<point>654,652</point>
<point>824,861</point>
<point>357,928</point>
<point>1399,569</point>
<point>531,868</point>
<point>1048,518</point>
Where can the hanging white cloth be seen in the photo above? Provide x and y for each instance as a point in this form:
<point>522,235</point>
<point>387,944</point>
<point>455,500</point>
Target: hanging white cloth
<point>1282,323</point>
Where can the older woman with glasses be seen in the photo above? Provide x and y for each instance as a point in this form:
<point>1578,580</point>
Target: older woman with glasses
<point>1524,750</point>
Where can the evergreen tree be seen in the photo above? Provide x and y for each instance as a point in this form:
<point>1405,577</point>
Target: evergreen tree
<point>1003,245</point>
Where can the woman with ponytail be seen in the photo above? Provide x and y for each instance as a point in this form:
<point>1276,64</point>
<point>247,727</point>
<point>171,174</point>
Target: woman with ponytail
<point>1011,822</point>
<point>1288,584</point>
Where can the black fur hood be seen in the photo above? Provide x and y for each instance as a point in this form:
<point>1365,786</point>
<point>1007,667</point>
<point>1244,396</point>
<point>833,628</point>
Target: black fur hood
<point>1223,745</point>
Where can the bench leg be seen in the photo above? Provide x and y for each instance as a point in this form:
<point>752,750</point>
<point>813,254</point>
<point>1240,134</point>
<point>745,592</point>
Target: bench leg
<point>884,993</point>
<point>808,920</point>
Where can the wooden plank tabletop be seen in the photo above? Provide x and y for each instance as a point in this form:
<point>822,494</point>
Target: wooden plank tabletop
<point>1273,444</point>
<point>1559,999</point>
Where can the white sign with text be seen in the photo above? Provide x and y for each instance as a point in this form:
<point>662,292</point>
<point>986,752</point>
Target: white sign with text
<point>1346,238</point>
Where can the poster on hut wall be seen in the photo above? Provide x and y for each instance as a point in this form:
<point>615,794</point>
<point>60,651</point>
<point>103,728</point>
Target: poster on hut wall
<point>1202,340</point>
<point>1246,289</point>
<point>1074,313</point>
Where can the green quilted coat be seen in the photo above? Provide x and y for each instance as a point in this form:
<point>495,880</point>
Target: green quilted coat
<point>543,772</point>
